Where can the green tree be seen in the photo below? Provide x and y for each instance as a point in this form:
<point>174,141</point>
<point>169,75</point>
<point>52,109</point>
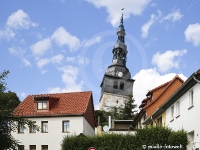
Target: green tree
<point>126,111</point>
<point>8,121</point>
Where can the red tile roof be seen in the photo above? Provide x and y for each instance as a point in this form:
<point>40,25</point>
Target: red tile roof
<point>74,103</point>
<point>166,85</point>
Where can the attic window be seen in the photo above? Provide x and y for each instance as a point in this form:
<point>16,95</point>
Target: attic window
<point>42,105</point>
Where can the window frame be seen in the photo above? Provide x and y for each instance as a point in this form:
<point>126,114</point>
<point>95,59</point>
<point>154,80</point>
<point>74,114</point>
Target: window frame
<point>159,121</point>
<point>20,128</point>
<point>32,147</point>
<point>63,126</point>
<point>43,130</point>
<point>191,98</point>
<point>44,147</point>
<point>32,129</point>
<point>178,108</point>
<point>21,147</point>
<point>172,112</point>
<point>42,102</point>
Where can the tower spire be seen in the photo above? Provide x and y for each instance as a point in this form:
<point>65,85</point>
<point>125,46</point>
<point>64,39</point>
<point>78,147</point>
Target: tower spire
<point>120,49</point>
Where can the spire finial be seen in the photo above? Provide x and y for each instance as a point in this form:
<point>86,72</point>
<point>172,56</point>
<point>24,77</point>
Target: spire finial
<point>122,15</point>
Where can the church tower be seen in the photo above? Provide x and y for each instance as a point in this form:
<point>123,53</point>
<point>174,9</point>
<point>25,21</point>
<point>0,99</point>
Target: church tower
<point>117,84</point>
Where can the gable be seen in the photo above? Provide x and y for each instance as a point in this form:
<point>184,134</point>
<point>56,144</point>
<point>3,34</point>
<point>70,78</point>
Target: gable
<point>163,95</point>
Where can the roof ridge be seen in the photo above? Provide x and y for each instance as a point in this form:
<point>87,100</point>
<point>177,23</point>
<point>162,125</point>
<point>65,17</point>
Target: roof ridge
<point>160,86</point>
<point>60,93</point>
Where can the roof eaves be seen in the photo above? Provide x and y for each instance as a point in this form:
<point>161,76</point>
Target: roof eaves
<point>176,95</point>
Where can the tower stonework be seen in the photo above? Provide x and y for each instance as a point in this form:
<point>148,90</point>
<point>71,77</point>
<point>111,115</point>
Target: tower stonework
<point>117,84</point>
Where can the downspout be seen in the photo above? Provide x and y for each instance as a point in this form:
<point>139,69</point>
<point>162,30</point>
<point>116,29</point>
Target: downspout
<point>195,78</point>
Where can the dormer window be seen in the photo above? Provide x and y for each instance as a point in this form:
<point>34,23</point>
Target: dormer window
<point>42,105</point>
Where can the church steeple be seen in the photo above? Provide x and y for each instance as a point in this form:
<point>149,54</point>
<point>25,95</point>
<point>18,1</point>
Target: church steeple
<point>120,49</point>
<point>117,84</point>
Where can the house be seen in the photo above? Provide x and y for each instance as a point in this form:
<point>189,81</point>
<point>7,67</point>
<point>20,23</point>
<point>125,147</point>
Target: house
<point>154,99</point>
<point>181,110</point>
<point>58,115</point>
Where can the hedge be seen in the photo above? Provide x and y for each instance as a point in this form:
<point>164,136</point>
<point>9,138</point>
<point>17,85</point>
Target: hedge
<point>157,137</point>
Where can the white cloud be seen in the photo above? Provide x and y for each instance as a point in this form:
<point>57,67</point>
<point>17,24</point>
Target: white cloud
<point>192,34</point>
<point>19,53</point>
<point>71,59</point>
<point>69,77</point>
<point>148,79</point>
<point>96,107</point>
<point>7,33</point>
<point>91,41</point>
<point>19,20</point>
<point>113,8</point>
<point>42,62</point>
<point>40,48</point>
<point>26,62</point>
<point>145,28</point>
<point>78,59</point>
<point>23,94</point>
<point>153,4</point>
<point>83,60</point>
<point>174,16</point>
<point>62,37</point>
<point>16,51</point>
<point>55,59</point>
<point>164,62</point>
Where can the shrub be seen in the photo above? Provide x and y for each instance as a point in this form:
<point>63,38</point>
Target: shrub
<point>149,136</point>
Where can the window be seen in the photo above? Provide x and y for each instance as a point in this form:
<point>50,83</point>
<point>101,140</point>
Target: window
<point>191,100</point>
<point>32,129</point>
<point>159,121</point>
<point>44,126</point>
<point>121,86</point>
<point>178,108</point>
<point>172,112</point>
<point>42,104</point>
<point>65,125</point>
<point>44,147</point>
<point>115,86</point>
<point>32,147</point>
<point>20,128</point>
<point>20,147</point>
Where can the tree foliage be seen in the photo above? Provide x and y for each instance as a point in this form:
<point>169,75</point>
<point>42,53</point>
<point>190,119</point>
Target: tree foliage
<point>8,121</point>
<point>122,112</point>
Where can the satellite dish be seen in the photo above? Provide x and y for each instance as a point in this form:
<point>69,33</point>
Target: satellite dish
<point>106,128</point>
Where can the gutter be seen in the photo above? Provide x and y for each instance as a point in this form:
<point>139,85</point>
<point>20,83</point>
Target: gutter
<point>195,77</point>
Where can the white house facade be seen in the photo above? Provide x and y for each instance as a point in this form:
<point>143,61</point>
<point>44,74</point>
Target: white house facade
<point>58,116</point>
<point>184,114</point>
<point>182,110</point>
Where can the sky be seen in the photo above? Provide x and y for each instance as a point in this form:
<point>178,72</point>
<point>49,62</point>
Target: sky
<point>53,46</point>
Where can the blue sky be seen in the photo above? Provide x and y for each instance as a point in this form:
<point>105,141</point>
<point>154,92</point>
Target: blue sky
<point>53,46</point>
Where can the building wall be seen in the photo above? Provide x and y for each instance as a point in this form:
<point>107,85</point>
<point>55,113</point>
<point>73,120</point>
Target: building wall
<point>111,100</point>
<point>189,119</point>
<point>55,135</point>
<point>154,105</point>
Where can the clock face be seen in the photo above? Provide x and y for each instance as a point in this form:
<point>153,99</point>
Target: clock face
<point>120,74</point>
